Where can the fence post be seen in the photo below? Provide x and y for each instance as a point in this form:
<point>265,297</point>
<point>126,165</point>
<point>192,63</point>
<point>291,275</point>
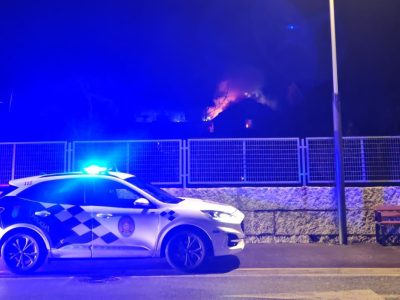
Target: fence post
<point>363,165</point>
<point>244,162</point>
<point>183,168</point>
<point>127,157</point>
<point>303,170</point>
<point>67,158</point>
<point>72,157</point>
<point>13,162</point>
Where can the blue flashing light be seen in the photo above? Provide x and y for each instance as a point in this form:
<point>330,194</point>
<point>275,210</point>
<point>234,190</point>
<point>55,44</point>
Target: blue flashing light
<point>94,170</point>
<point>291,26</point>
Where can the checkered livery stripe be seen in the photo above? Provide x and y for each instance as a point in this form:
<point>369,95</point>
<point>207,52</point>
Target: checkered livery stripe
<point>169,214</point>
<point>72,224</point>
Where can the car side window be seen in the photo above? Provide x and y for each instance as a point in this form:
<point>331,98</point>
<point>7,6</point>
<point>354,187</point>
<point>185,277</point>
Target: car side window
<point>105,192</point>
<point>60,191</point>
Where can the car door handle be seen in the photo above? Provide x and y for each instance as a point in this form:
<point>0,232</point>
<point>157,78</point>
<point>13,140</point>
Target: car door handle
<point>104,216</point>
<point>42,213</point>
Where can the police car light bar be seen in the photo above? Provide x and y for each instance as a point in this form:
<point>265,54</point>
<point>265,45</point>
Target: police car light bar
<point>94,170</point>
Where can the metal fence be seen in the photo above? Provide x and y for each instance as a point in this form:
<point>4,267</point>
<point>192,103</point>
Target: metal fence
<point>366,159</point>
<point>244,161</point>
<point>158,161</point>
<point>202,162</point>
<point>19,160</point>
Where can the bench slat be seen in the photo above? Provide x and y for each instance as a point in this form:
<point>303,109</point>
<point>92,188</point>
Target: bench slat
<point>387,207</point>
<point>389,222</point>
<point>390,214</point>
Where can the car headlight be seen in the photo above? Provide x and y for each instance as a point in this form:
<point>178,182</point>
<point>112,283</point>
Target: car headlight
<point>221,216</point>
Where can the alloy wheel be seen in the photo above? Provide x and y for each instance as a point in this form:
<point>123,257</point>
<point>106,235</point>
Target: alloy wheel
<point>186,251</point>
<point>21,252</point>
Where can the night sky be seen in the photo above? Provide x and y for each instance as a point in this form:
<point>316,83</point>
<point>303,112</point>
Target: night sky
<point>87,69</point>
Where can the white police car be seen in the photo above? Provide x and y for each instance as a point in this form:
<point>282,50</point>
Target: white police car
<point>101,214</point>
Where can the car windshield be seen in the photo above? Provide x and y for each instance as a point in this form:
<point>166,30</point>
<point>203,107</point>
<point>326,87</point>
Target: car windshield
<point>154,191</point>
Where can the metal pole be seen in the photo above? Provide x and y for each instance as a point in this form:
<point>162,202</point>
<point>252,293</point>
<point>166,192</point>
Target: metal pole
<point>338,136</point>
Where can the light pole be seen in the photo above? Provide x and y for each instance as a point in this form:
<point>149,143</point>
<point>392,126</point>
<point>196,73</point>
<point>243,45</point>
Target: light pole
<point>338,136</point>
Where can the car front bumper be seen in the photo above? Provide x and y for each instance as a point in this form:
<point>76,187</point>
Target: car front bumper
<point>227,240</point>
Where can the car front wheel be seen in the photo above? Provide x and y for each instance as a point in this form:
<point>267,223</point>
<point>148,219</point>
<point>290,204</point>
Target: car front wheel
<point>186,251</point>
<point>23,253</point>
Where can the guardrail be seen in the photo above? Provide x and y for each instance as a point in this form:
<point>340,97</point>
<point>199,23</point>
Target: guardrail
<point>204,162</point>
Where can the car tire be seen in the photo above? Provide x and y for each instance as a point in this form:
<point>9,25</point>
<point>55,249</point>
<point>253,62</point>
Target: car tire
<point>23,252</point>
<point>187,251</point>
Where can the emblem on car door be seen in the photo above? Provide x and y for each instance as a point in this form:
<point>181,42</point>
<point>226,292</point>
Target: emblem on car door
<point>126,226</point>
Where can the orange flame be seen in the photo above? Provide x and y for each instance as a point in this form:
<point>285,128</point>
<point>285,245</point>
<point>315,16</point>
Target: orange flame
<point>229,95</point>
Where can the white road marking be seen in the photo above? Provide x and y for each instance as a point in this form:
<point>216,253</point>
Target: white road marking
<point>294,272</point>
<point>331,295</point>
<point>323,271</point>
<point>247,272</point>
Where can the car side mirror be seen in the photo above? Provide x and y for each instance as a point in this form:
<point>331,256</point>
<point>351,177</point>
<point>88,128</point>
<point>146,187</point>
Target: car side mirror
<point>141,202</point>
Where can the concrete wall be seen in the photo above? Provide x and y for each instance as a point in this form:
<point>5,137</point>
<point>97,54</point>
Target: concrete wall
<point>300,214</point>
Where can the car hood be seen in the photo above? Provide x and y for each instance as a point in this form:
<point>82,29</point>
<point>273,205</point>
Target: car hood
<point>206,205</point>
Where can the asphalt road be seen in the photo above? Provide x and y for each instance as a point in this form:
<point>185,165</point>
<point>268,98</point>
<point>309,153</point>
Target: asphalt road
<point>238,284</point>
<point>260,272</point>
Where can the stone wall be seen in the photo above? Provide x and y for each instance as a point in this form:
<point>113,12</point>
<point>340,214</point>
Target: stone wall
<point>300,214</point>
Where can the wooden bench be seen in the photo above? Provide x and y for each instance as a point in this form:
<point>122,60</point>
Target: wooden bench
<point>386,216</point>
